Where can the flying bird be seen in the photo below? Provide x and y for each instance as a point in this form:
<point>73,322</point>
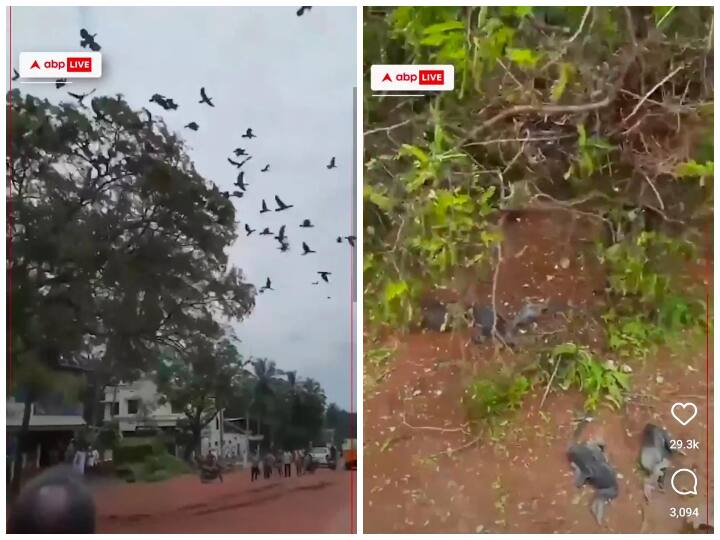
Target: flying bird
<point>238,164</point>
<point>81,97</point>
<point>306,224</point>
<point>324,276</point>
<point>331,165</point>
<point>264,207</point>
<point>248,230</point>
<point>265,232</point>
<point>240,183</point>
<point>59,83</point>
<point>204,97</point>
<point>284,246</point>
<point>88,40</point>
<point>316,283</point>
<point>302,10</point>
<point>266,168</point>
<point>225,194</point>
<point>306,249</point>
<point>249,134</point>
<point>267,286</point>
<point>350,239</point>
<point>281,234</point>
<point>192,125</point>
<point>239,152</point>
<point>238,194</point>
<point>281,205</point>
<point>165,103</point>
<point>16,75</point>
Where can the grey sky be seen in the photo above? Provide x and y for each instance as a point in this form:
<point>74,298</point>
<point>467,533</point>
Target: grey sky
<point>289,78</point>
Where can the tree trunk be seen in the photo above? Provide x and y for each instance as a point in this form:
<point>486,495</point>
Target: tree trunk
<point>22,436</point>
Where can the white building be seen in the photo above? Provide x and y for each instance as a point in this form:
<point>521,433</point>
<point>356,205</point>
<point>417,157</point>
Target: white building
<point>138,405</point>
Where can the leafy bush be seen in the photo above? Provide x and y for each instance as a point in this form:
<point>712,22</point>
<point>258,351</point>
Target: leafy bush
<point>485,399</point>
<point>576,367</point>
<point>136,449</point>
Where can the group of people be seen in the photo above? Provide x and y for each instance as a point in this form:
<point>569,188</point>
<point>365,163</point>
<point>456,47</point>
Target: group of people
<point>82,460</point>
<point>282,462</point>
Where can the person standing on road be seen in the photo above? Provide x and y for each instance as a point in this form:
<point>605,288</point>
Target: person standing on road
<point>279,462</point>
<point>254,467</point>
<point>268,465</point>
<point>287,462</point>
<point>298,462</point>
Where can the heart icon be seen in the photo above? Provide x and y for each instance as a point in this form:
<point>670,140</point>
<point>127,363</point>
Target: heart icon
<point>684,412</point>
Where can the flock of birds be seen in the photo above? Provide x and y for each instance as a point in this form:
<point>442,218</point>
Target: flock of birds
<point>168,104</point>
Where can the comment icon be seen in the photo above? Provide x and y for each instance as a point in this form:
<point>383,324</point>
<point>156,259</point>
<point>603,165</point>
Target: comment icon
<point>684,482</point>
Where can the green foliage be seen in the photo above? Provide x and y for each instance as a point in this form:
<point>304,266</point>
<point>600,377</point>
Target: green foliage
<point>200,383</point>
<point>592,154</point>
<point>136,449</point>
<point>578,368</point>
<point>153,464</point>
<point>703,172</point>
<point>486,399</point>
<point>104,202</point>
<point>524,58</point>
<point>648,301</point>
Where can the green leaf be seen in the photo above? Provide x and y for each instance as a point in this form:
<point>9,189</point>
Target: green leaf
<point>395,289</point>
<point>692,168</point>
<point>443,27</point>
<point>525,58</point>
<point>418,153</point>
<point>566,72</point>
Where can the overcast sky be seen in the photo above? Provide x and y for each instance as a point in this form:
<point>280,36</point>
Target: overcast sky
<point>291,79</point>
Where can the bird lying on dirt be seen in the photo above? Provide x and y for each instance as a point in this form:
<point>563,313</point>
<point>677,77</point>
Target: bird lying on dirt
<point>483,320</point>
<point>654,456</point>
<point>440,317</point>
<point>529,313</point>
<point>591,467</point>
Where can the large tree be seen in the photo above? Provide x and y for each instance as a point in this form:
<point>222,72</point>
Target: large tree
<point>201,382</point>
<point>117,244</point>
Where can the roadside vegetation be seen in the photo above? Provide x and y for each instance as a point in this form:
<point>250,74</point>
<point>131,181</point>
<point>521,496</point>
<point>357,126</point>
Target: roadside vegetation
<point>603,112</point>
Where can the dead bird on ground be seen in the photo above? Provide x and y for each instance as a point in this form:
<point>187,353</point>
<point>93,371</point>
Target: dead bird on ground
<point>591,467</point>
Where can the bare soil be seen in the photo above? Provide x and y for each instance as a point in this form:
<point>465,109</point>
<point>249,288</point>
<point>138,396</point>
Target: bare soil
<point>425,470</point>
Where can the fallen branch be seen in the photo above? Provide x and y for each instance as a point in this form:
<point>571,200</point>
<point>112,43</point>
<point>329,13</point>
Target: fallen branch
<point>582,25</point>
<point>432,428</point>
<point>387,129</point>
<point>652,90</point>
<point>544,109</point>
<point>547,389</point>
<point>450,451</point>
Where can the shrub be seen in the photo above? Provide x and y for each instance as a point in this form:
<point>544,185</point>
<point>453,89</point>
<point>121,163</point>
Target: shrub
<point>485,398</point>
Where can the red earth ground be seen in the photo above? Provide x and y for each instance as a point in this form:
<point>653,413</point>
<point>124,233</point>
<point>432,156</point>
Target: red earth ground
<point>425,471</point>
<point>323,502</point>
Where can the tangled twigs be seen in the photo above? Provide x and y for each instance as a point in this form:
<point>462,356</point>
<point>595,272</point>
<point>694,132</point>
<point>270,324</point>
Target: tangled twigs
<point>652,90</point>
<point>388,128</point>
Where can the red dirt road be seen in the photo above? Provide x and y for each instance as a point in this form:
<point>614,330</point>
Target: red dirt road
<point>317,503</point>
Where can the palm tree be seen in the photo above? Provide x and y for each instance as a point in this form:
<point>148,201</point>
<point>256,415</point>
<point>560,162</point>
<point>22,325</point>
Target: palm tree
<point>266,373</point>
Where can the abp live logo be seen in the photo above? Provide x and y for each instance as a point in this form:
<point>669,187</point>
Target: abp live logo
<point>412,77</point>
<point>424,76</point>
<point>51,65</point>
